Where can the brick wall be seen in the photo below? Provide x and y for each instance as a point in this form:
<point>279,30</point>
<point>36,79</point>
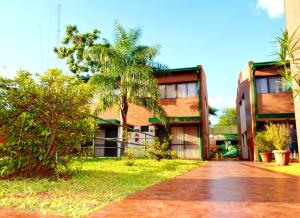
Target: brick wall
<point>204,116</point>
<point>177,78</point>
<point>267,72</point>
<point>179,107</point>
<point>245,90</point>
<point>273,103</point>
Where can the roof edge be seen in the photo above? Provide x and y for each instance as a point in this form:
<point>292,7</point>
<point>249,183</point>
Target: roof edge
<point>263,64</point>
<point>196,69</point>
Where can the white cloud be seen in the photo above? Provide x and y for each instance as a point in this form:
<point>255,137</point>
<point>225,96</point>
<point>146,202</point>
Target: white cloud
<point>274,8</point>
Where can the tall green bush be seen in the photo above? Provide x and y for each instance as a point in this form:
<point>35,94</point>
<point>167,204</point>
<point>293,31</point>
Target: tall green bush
<point>46,121</point>
<point>159,150</point>
<point>278,134</point>
<point>261,142</point>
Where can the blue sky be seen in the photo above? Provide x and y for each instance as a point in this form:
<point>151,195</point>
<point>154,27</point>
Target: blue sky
<point>221,35</point>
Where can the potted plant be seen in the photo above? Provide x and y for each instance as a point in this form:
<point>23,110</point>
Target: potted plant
<point>280,137</point>
<point>264,146</point>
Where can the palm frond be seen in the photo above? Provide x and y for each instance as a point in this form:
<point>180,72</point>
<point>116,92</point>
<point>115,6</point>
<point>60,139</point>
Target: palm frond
<point>104,101</point>
<point>134,35</point>
<point>126,72</point>
<point>289,46</point>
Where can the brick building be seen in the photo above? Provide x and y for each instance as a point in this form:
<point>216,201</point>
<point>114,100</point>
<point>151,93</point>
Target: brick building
<point>262,96</point>
<point>184,98</point>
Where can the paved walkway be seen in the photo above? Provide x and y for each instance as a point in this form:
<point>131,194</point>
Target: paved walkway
<point>218,189</point>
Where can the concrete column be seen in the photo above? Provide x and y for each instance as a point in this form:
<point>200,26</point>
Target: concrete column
<point>119,144</point>
<point>292,16</point>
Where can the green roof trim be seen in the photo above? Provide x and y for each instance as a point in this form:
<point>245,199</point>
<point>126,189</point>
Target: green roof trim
<point>196,69</point>
<point>269,116</point>
<point>109,121</point>
<point>184,69</point>
<point>263,64</point>
<point>177,70</point>
<point>175,119</point>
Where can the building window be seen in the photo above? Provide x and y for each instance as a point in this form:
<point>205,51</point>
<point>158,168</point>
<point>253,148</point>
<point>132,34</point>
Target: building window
<point>144,128</point>
<point>171,91</point>
<point>181,90</point>
<point>262,85</point>
<point>272,84</point>
<point>278,84</point>
<point>162,89</point>
<point>192,89</point>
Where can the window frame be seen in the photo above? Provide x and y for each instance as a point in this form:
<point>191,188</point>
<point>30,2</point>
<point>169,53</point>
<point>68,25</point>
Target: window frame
<point>268,84</point>
<point>176,90</point>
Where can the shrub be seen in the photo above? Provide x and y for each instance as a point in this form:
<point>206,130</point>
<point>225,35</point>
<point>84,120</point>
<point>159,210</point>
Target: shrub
<point>129,157</point>
<point>278,134</point>
<point>261,142</point>
<point>159,150</point>
<point>46,121</point>
<point>173,154</point>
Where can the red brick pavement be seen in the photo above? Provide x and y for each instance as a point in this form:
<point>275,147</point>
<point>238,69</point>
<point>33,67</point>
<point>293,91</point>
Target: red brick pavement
<point>217,189</point>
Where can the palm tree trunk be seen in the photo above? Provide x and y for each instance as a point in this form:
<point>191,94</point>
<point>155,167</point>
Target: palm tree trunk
<point>123,116</point>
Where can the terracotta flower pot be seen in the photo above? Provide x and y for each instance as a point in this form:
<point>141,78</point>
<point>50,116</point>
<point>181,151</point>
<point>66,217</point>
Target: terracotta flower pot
<point>282,157</point>
<point>266,157</point>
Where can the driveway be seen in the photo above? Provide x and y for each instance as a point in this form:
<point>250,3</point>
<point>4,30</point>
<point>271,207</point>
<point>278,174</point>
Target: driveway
<point>217,189</point>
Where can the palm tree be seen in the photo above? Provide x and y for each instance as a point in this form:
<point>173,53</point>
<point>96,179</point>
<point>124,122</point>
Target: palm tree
<point>289,60</point>
<point>126,75</point>
<point>289,45</point>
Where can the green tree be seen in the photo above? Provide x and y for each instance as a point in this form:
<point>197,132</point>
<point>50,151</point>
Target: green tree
<point>228,117</point>
<point>125,74</point>
<point>212,111</point>
<point>46,121</point>
<point>73,49</point>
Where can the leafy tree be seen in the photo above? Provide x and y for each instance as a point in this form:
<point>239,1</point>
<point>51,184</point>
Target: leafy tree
<point>46,120</point>
<point>125,74</point>
<point>228,117</point>
<point>74,47</point>
<point>212,111</point>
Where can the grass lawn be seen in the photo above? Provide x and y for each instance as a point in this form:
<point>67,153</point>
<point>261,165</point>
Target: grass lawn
<point>292,168</point>
<point>98,182</point>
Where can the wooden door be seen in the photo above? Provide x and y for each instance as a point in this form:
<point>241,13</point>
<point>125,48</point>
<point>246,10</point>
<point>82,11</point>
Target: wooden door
<point>185,141</point>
